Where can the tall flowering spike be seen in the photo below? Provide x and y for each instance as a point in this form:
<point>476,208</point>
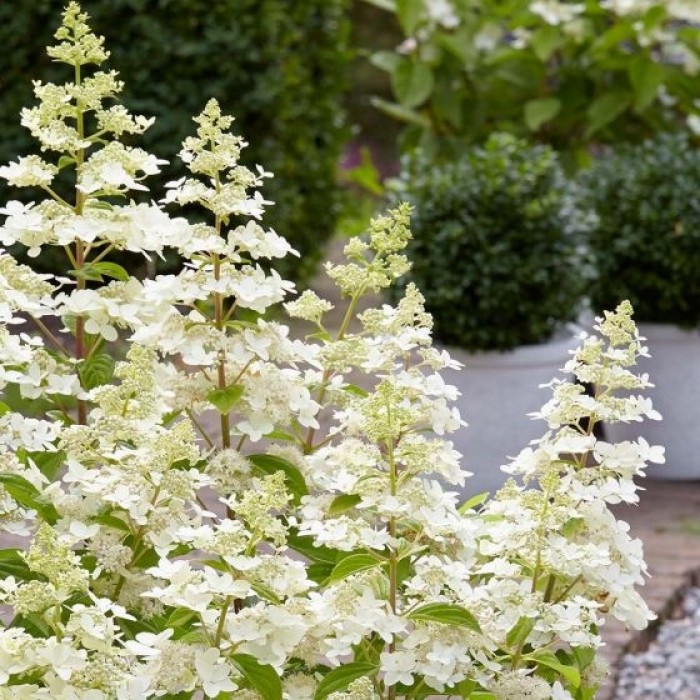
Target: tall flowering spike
<point>214,153</point>
<point>78,44</point>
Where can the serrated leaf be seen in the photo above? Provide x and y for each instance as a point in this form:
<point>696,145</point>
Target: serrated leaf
<point>584,656</point>
<point>225,399</point>
<point>606,109</point>
<point>111,521</point>
<point>546,658</point>
<point>34,624</point>
<point>519,632</point>
<point>474,502</point>
<point>447,614</point>
<point>96,370</point>
<point>409,14</point>
<point>26,494</point>
<point>4,408</point>
<point>48,463</point>
<point>538,112</point>
<point>304,544</point>
<point>412,82</point>
<point>344,502</point>
<point>351,565</point>
<point>269,464</point>
<point>110,269</point>
<point>340,678</point>
<point>179,618</point>
<point>262,678</point>
<point>12,563</point>
<point>645,76</point>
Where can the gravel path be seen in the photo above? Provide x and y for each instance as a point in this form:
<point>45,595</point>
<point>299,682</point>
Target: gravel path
<point>670,667</point>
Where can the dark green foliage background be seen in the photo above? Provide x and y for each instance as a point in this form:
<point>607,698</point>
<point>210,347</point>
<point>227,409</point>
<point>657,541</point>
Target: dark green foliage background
<point>646,245</point>
<point>277,66</point>
<point>494,250</point>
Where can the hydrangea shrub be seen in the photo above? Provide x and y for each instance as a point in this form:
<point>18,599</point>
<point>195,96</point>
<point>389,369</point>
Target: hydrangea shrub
<point>277,559</point>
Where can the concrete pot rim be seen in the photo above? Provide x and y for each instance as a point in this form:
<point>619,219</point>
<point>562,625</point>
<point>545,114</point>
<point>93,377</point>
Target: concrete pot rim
<point>542,354</point>
<point>668,333</point>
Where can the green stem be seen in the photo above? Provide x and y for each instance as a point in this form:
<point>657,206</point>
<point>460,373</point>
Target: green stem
<point>308,445</point>
<point>393,562</point>
<point>222,620</point>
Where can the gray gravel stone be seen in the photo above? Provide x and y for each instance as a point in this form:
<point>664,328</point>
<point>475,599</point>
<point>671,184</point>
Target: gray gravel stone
<point>670,667</point>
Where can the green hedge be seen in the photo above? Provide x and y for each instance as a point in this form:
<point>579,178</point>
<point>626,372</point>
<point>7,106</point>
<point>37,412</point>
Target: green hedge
<point>278,66</point>
<point>496,244</point>
<point>646,244</point>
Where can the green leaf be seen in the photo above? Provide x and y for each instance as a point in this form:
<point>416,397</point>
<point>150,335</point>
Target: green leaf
<point>304,544</point>
<point>95,272</point>
<point>111,521</point>
<point>546,40</point>
<point>645,76</point>
<point>12,564</point>
<point>584,656</point>
<point>48,463</point>
<point>65,161</point>
<point>606,109</point>
<point>343,503</point>
<point>96,370</point>
<point>385,60</point>
<point>412,82</point>
<point>110,269</point>
<point>352,564</point>
<point>401,113</point>
<point>34,624</point>
<point>180,617</point>
<point>473,502</point>
<point>447,614</point>
<point>340,678</point>
<point>409,14</point>
<point>572,526</point>
<point>365,175</point>
<point>546,658</point>
<point>537,112</point>
<point>388,5</point>
<point>225,399</point>
<point>519,632</point>
<point>356,390</point>
<point>269,464</point>
<point>4,408</point>
<point>26,494</point>
<point>262,678</point>
<point>280,435</point>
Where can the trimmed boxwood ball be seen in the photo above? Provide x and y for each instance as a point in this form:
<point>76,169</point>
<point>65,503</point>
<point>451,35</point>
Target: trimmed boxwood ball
<point>496,244</point>
<point>278,66</point>
<point>646,243</point>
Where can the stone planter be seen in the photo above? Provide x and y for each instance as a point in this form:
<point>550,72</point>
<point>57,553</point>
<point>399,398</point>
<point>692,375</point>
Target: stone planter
<point>498,390</point>
<point>674,368</point>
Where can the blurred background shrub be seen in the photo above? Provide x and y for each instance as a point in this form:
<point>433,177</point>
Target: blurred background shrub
<point>496,243</point>
<point>646,242</point>
<point>563,73</point>
<point>279,67</point>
